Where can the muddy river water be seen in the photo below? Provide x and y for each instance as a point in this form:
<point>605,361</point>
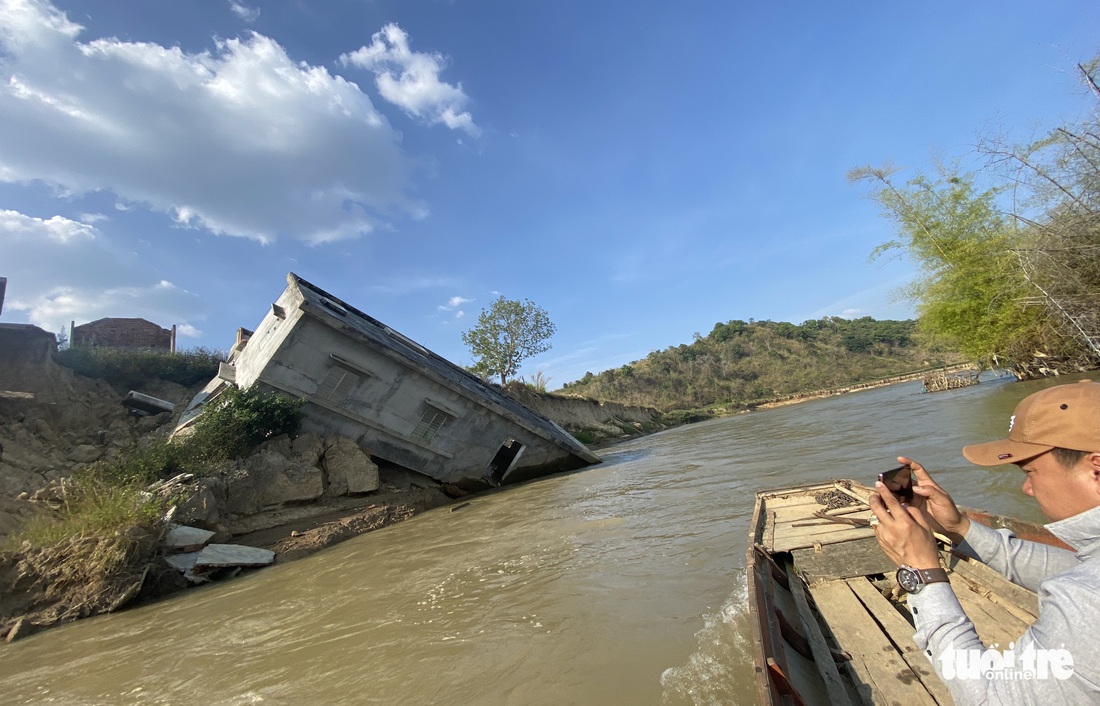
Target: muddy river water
<point>620,584</point>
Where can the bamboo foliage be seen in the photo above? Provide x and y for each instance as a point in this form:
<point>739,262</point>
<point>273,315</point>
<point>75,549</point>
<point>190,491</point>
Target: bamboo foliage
<point>1010,274</point>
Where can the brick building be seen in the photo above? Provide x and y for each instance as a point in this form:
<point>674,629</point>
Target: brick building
<point>123,333</point>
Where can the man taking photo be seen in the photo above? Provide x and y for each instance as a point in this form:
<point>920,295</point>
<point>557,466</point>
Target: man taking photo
<point>1054,438</point>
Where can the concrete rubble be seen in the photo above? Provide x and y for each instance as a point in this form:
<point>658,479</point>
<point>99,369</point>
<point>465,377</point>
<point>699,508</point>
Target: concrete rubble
<point>200,562</point>
<point>147,404</point>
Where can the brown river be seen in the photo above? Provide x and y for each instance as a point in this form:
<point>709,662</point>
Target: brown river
<point>620,584</point>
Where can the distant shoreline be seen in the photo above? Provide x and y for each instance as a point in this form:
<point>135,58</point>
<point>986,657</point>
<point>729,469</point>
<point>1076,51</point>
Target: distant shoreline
<point>893,380</point>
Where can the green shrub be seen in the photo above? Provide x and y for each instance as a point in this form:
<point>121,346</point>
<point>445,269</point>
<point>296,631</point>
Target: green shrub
<point>584,436</point>
<point>687,416</point>
<point>99,543</point>
<point>145,465</point>
<point>230,427</point>
<point>132,368</point>
<point>240,420</point>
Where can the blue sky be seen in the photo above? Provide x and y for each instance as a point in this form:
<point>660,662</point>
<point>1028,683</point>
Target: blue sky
<point>642,170</point>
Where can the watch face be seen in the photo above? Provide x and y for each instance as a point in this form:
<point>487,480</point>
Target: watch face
<point>909,580</point>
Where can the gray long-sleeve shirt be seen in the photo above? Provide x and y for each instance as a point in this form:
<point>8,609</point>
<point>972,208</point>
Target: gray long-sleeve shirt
<point>1068,585</point>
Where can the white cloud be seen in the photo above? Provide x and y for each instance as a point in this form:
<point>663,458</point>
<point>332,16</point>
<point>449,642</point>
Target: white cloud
<point>453,304</point>
<point>240,140</point>
<point>248,14</point>
<point>57,269</point>
<point>410,80</point>
<point>60,230</point>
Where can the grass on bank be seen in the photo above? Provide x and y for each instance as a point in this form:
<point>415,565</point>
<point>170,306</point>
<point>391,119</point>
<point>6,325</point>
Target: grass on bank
<point>104,523</point>
<point>132,368</point>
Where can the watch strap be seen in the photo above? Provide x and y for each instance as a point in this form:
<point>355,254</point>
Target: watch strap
<point>936,575</point>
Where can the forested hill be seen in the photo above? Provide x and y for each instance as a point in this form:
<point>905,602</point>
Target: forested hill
<point>742,362</point>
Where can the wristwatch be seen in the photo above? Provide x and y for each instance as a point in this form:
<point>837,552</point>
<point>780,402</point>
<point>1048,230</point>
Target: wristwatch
<point>914,580</point>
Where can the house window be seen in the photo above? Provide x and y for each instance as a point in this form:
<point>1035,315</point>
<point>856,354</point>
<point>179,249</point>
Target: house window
<point>430,423</point>
<point>337,385</point>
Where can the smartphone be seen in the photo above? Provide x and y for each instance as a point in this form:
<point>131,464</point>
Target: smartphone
<point>899,481</point>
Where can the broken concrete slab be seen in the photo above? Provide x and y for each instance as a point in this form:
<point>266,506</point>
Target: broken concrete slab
<point>146,403</point>
<point>182,538</point>
<point>218,555</point>
<point>185,564</point>
<point>182,562</point>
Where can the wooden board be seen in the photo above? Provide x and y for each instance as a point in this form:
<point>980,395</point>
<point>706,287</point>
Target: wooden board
<point>1020,601</point>
<point>823,656</point>
<point>858,557</point>
<point>996,626</point>
<point>901,634</point>
<point>880,672</point>
<point>786,538</point>
<point>790,522</point>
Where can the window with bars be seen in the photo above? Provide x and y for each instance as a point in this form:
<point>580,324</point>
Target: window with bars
<point>430,423</point>
<point>337,385</point>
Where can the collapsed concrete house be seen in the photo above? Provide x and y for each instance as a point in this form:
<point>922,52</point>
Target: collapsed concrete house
<point>123,333</point>
<point>397,399</point>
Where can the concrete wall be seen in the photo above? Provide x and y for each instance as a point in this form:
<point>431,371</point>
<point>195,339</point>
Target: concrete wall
<point>24,343</point>
<point>581,412</point>
<point>380,401</point>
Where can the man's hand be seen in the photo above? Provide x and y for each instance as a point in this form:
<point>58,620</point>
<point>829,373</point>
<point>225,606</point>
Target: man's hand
<point>903,531</point>
<point>945,516</point>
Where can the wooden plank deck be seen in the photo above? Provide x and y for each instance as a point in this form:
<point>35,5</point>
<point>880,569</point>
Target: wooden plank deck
<point>901,635</point>
<point>878,668</point>
<point>996,626</point>
<point>796,527</point>
<point>858,557</point>
<point>823,656</point>
<point>1018,600</point>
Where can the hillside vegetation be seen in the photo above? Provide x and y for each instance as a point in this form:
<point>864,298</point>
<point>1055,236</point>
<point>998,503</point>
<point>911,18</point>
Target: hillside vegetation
<point>742,363</point>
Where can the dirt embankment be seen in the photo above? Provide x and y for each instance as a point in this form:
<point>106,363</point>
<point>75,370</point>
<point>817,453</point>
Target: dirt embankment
<point>297,496</point>
<point>591,421</point>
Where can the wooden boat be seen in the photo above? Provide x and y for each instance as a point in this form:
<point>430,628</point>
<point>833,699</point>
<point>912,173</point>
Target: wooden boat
<point>831,626</point>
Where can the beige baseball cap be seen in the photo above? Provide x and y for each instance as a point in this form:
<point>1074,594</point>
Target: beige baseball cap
<point>1066,416</point>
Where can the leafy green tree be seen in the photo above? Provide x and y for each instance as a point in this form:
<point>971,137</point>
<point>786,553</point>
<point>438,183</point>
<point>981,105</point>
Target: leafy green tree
<point>971,290</point>
<point>506,334</point>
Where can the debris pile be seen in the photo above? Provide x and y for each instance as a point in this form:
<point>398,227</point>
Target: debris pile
<point>200,562</point>
<point>941,380</point>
